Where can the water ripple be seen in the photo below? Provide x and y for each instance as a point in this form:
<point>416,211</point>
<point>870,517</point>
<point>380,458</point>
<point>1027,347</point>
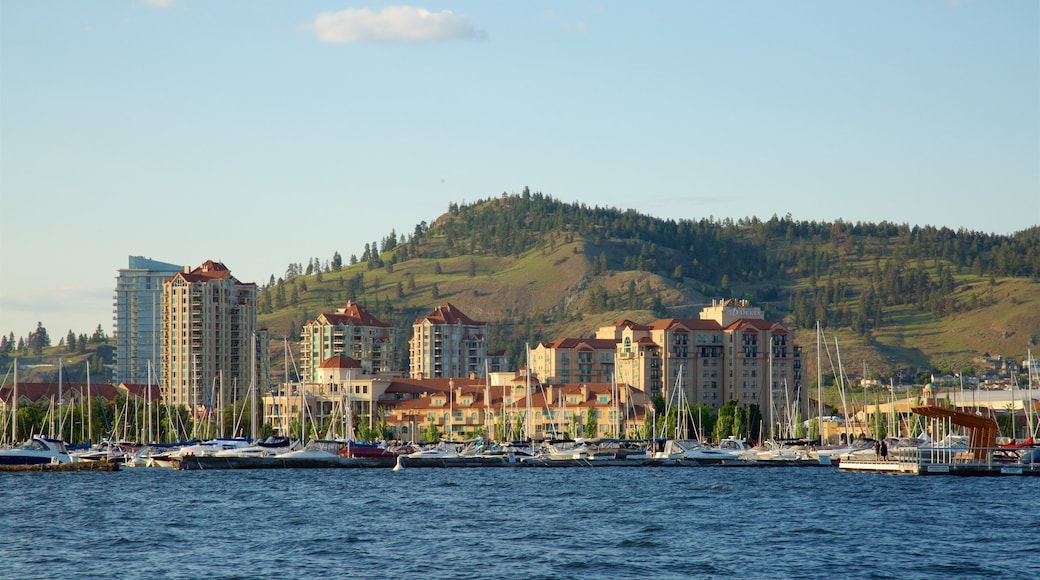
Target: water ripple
<point>510,523</point>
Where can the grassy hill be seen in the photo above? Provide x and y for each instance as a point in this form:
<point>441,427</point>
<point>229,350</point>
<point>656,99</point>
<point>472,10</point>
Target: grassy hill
<point>580,273</point>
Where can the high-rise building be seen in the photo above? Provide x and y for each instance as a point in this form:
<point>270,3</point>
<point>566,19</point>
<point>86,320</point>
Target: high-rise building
<point>208,321</point>
<point>352,331</point>
<point>447,343</point>
<point>136,314</point>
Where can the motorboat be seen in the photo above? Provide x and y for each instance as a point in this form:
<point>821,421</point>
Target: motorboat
<point>37,450</point>
<point>273,445</point>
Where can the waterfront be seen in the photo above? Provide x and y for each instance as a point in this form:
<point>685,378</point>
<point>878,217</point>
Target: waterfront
<point>516,523</point>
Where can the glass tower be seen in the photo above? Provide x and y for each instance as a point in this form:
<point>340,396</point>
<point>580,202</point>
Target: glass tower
<point>137,310</point>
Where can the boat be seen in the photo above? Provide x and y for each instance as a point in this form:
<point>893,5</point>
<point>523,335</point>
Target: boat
<point>356,449</point>
<point>106,450</point>
<point>36,451</point>
<point>733,450</point>
<point>273,445</point>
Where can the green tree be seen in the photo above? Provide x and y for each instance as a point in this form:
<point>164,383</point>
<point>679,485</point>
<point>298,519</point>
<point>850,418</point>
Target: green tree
<point>724,424</point>
<point>590,423</point>
<point>39,339</point>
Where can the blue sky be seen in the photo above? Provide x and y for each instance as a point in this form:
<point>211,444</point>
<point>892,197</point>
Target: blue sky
<point>291,130</point>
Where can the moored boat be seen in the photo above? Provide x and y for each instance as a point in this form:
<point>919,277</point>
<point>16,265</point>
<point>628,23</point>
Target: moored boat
<point>37,450</point>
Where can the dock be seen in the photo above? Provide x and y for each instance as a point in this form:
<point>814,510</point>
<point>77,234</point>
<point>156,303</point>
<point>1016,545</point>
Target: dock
<point>70,466</point>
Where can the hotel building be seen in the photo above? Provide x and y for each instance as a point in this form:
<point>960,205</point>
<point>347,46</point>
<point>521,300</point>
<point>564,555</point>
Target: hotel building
<point>730,352</point>
<point>352,331</point>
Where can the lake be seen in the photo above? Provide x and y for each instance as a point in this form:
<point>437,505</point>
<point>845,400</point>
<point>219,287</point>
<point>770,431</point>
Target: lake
<point>679,522</point>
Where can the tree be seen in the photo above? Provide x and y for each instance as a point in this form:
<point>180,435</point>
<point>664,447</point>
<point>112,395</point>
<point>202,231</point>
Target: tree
<point>590,423</point>
<point>724,425</point>
<point>39,339</point>
<point>70,341</point>
<point>435,292</point>
<point>337,262</point>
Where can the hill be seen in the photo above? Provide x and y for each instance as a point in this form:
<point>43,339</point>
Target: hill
<point>898,298</point>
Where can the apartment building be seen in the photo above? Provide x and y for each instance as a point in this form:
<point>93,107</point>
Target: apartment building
<point>137,319</point>
<point>352,331</point>
<point>574,360</point>
<point>208,347</point>
<point>447,343</point>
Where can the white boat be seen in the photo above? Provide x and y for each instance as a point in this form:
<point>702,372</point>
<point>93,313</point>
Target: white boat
<point>106,451</point>
<point>439,451</point>
<point>705,454</point>
<point>274,445</point>
<point>36,451</point>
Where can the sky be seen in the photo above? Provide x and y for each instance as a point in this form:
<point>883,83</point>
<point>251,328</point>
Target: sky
<point>263,133</point>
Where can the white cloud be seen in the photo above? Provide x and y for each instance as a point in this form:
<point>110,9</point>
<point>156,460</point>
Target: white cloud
<point>393,24</point>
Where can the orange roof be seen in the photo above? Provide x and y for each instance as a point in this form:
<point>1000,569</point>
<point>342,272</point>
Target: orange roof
<point>209,270</point>
<point>44,391</point>
<point>340,361</point>
<point>583,343</point>
<point>448,314</point>
<point>688,323</point>
<point>754,323</point>
<point>353,314</point>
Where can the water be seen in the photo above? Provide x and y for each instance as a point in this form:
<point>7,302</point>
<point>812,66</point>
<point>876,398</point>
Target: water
<point>690,522</point>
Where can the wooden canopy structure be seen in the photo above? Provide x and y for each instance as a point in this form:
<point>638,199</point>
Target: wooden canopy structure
<point>982,431</point>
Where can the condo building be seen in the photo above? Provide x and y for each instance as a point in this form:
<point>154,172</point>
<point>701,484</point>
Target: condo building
<point>352,331</point>
<point>447,343</point>
<point>208,324</point>
<point>137,319</point>
<point>574,360</point>
<point>729,353</point>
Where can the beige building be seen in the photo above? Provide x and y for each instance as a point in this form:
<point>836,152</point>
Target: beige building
<point>574,360</point>
<point>447,343</point>
<point>208,326</point>
<point>352,331</point>
<point>500,410</point>
<point>729,352</point>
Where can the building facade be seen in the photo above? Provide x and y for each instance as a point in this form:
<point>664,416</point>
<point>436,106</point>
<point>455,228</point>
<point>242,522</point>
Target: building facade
<point>447,343</point>
<point>574,360</point>
<point>729,353</point>
<point>209,342</point>
<point>352,331</point>
<point>136,313</point>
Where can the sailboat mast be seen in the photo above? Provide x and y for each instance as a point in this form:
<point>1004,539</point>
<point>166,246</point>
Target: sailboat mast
<point>90,409</point>
<point>61,416</point>
<point>150,434</point>
<point>772,399</point>
<point>819,387</point>
<point>252,389</point>
<point>529,422</point>
<point>14,406</point>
